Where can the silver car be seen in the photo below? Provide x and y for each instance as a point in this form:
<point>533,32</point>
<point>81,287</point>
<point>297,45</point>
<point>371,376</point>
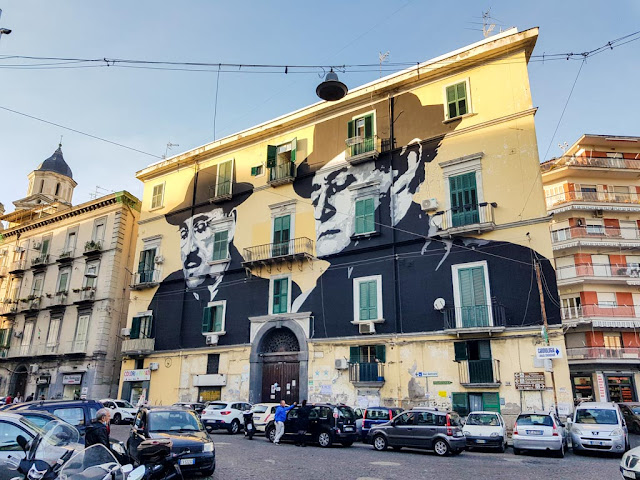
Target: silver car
<point>539,431</point>
<point>599,427</point>
<point>12,425</point>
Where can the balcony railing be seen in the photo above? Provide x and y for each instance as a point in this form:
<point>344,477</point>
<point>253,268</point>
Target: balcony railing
<point>65,255</point>
<point>18,266</point>
<point>8,308</point>
<point>282,173</point>
<point>220,191</point>
<point>595,233</point>
<point>295,248</point>
<point>366,372</point>
<point>475,317</point>
<point>468,218</point>
<point>92,247</point>
<point>86,294</point>
<point>49,348</point>
<point>600,271</point>
<point>362,149</point>
<point>476,372</point>
<point>138,345</point>
<point>592,197</point>
<point>59,298</point>
<point>590,162</point>
<point>603,353</point>
<point>145,279</point>
<point>40,260</point>
<point>600,311</point>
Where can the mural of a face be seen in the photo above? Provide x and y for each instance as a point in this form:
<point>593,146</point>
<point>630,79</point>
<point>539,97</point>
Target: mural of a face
<point>196,245</point>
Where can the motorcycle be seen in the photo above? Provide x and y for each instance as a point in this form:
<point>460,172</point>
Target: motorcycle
<point>249,426</point>
<point>97,463</point>
<point>157,462</point>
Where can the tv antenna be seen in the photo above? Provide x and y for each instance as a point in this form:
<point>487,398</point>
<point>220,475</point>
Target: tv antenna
<point>383,57</point>
<point>99,192</point>
<point>487,26</point>
<point>169,146</point>
<point>563,146</point>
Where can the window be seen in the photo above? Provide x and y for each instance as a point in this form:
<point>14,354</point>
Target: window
<point>146,265</point>
<point>220,245</point>
<point>213,363</point>
<point>27,333</point>
<point>367,354</point>
<point>280,295</point>
<point>91,274</point>
<point>281,235</point>
<point>5,337</point>
<point>141,326</point>
<point>367,363</point>
<point>472,298</point>
<point>52,335</point>
<point>63,280</point>
<point>74,416</point>
<point>365,216</point>
<point>57,189</point>
<point>407,418</point>
<point>8,435</point>
<point>99,228</point>
<point>464,199</point>
<point>281,160</point>
<point>46,244</point>
<point>457,102</point>
<point>213,317</point>
<point>36,285</point>
<point>367,298</point>
<point>157,196</point>
<point>224,178</point>
<point>41,186</point>
<point>257,171</point>
<point>607,300</point>
<point>595,227</point>
<point>70,243</point>
<point>80,339</point>
<point>612,343</point>
<point>463,403</point>
<point>477,354</point>
<point>361,134</point>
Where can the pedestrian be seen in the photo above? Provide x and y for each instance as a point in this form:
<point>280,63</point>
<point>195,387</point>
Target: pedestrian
<point>280,417</point>
<point>8,400</point>
<point>41,397</point>
<point>98,431</point>
<point>17,399</point>
<point>303,423</point>
<point>29,398</point>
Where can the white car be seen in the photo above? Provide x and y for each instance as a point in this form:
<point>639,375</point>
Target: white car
<point>630,464</point>
<point>486,430</point>
<point>226,415</point>
<point>263,413</point>
<point>121,411</point>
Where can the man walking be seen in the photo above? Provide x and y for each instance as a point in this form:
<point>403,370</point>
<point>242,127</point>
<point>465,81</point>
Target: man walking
<point>303,423</point>
<point>98,431</point>
<point>280,417</point>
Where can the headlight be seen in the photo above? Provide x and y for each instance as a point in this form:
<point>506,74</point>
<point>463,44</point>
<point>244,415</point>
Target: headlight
<point>616,433</point>
<point>208,447</point>
<point>494,434</point>
<point>466,432</point>
<point>137,473</point>
<point>577,431</point>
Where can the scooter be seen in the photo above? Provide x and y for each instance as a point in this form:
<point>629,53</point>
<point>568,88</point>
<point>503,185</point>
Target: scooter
<point>249,426</point>
<point>157,462</point>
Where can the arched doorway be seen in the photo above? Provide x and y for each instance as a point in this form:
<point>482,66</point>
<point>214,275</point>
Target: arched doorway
<point>279,362</point>
<point>18,382</point>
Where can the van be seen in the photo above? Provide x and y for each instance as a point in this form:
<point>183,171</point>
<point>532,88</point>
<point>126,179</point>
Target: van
<point>599,427</point>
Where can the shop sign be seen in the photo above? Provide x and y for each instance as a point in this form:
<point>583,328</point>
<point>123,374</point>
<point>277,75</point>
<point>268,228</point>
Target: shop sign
<point>74,379</point>
<point>137,375</point>
<point>529,380</point>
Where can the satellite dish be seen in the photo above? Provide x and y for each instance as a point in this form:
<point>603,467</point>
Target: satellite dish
<point>439,303</point>
<point>331,89</point>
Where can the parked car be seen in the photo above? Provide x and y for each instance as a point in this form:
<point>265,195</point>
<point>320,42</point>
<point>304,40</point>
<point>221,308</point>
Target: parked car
<point>485,430</point>
<point>539,431</point>
<point>631,413</point>
<point>78,413</point>
<point>375,416</point>
<point>195,406</point>
<point>328,424</point>
<point>121,411</point>
<point>263,413</point>
<point>599,427</point>
<point>428,428</point>
<point>38,417</point>
<point>227,415</point>
<point>183,428</point>
<point>12,425</point>
<point>630,464</point>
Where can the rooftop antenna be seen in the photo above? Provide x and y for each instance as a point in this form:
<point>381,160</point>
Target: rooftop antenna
<point>563,146</point>
<point>169,146</point>
<point>100,191</point>
<point>487,27</point>
<point>383,57</point>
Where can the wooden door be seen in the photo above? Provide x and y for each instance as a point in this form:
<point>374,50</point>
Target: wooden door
<point>280,381</point>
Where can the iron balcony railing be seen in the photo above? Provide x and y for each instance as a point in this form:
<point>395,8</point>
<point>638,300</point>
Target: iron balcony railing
<point>145,278</point>
<point>598,162</point>
<point>598,270</point>
<point>473,216</point>
<point>366,372</point>
<point>87,293</point>
<point>595,197</point>
<point>40,260</point>
<point>50,348</point>
<point>134,345</point>
<point>473,372</point>
<point>92,246</point>
<point>18,265</point>
<point>595,353</point>
<point>362,148</point>
<point>282,173</point>
<point>595,232</point>
<point>66,255</point>
<point>596,310</point>
<point>477,316</point>
<point>59,298</point>
<point>296,247</point>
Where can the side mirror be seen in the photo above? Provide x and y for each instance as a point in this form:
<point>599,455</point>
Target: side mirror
<point>23,442</point>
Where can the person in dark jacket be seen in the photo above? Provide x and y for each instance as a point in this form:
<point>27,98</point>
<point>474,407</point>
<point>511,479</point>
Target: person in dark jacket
<point>303,423</point>
<point>98,431</point>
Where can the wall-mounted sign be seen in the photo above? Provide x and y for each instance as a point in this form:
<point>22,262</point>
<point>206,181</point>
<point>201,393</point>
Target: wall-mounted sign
<point>529,380</point>
<point>74,379</point>
<point>137,375</point>
<point>602,389</point>
<point>548,352</point>
<point>442,382</point>
<point>426,374</point>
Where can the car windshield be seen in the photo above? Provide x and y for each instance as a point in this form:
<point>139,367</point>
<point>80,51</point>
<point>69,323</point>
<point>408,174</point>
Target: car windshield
<point>596,416</point>
<point>259,408</point>
<point>486,419</point>
<point>346,412</point>
<point>216,406</point>
<point>535,420</point>
<point>124,404</point>
<point>179,421</point>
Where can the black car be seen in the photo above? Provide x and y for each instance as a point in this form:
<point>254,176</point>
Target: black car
<point>38,417</point>
<point>183,428</point>
<point>78,413</point>
<point>328,424</point>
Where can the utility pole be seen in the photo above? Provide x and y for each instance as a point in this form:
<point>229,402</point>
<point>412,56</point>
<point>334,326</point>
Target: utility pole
<point>536,264</point>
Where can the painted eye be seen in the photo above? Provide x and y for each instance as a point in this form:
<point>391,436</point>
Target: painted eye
<point>200,227</point>
<point>184,233</point>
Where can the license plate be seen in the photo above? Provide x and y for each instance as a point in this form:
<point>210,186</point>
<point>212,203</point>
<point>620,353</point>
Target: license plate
<point>534,432</point>
<point>593,442</point>
<point>348,429</point>
<point>187,461</point>
<point>481,441</point>
<point>627,474</point>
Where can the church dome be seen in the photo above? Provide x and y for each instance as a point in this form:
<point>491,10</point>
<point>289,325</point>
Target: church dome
<point>55,163</point>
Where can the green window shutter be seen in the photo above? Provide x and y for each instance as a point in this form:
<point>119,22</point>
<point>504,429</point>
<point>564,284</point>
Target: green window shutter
<point>460,403</point>
<point>364,301</point>
<point>354,354</point>
<point>368,126</point>
<point>272,152</point>
<point>460,349</point>
<point>135,328</point>
<point>206,319</point>
<point>491,402</point>
<point>464,199</point>
<point>373,300</point>
<point>294,146</point>
<point>280,295</point>
<point>350,128</point>
<point>368,300</point>
<point>217,322</point>
<point>141,262</point>
<point>381,353</point>
<point>461,94</point>
<point>370,211</point>
<point>254,171</point>
<point>484,349</point>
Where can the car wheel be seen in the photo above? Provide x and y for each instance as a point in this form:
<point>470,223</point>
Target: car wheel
<point>117,419</point>
<point>346,444</point>
<point>324,439</point>
<point>271,434</point>
<point>502,448</point>
<point>235,427</point>
<point>380,443</point>
<point>560,453</point>
<point>441,448</point>
<point>516,451</point>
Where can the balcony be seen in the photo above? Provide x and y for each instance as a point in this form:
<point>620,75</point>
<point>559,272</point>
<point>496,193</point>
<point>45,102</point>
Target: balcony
<point>479,373</point>
<point>92,248</point>
<point>467,219</point>
<point>595,236</point>
<point>610,201</point>
<point>475,319</point>
<point>40,261</point>
<point>361,149</point>
<point>220,192</point>
<point>603,355</point>
<point>138,346</point>
<point>65,256</point>
<point>85,295</point>
<point>18,267</point>
<point>8,307</point>
<point>618,316</point>
<point>281,174</point>
<point>145,279</point>
<point>72,347</point>
<point>367,375</point>
<point>58,299</point>
<point>299,249</point>
<point>599,273</point>
<point>605,166</point>
<point>32,303</point>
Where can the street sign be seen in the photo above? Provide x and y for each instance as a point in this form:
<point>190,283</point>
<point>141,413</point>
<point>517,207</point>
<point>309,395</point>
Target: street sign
<point>442,382</point>
<point>548,352</point>
<point>426,374</point>
<point>529,381</point>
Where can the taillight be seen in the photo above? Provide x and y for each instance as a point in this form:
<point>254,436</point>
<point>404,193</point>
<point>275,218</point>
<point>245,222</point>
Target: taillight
<point>204,412</point>
<point>364,415</point>
<point>555,431</point>
<point>225,412</point>
<point>515,428</point>
<point>449,429</point>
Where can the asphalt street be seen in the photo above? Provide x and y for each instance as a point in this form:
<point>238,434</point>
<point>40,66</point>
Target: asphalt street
<point>239,458</point>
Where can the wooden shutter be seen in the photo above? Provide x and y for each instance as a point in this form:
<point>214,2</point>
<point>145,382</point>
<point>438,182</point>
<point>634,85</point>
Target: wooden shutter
<point>368,300</point>
<point>351,128</point>
<point>461,98</point>
<point>381,353</point>
<point>484,350</point>
<point>254,171</point>
<point>217,321</point>
<point>491,402</point>
<point>461,352</point>
<point>206,319</point>
<point>368,126</point>
<point>354,354</point>
<point>272,152</point>
<point>135,328</point>
<point>472,287</point>
<point>451,102</point>
<point>460,403</point>
<point>294,146</point>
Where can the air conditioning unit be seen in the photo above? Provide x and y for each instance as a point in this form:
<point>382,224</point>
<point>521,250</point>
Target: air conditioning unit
<point>598,214</point>
<point>33,368</point>
<point>159,260</point>
<point>342,364</point>
<point>125,332</point>
<point>154,366</point>
<point>368,327</point>
<point>212,339</point>
<point>429,204</point>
